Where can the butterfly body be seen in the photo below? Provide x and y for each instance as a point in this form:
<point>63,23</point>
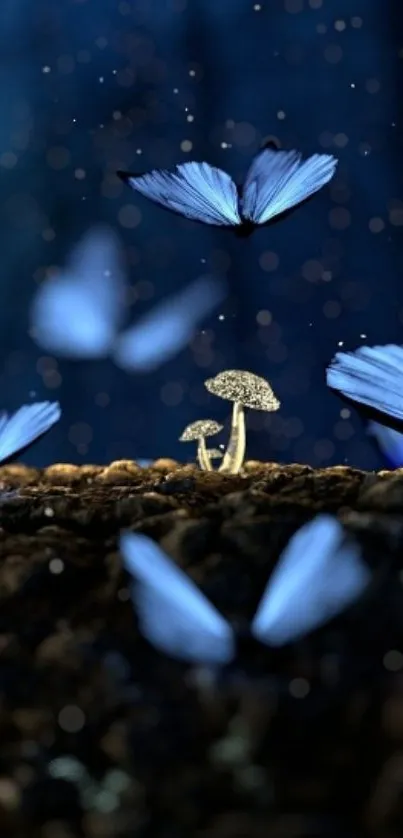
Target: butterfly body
<point>276,182</point>
<point>245,229</point>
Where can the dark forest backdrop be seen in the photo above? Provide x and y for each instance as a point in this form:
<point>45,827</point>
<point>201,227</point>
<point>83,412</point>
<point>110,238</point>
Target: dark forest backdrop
<point>92,86</point>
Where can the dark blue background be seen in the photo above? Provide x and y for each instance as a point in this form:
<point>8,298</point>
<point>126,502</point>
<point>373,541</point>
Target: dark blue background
<point>86,84</point>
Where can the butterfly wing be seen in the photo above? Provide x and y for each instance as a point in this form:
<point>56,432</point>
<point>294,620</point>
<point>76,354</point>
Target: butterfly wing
<point>390,443</point>
<point>77,314</point>
<point>195,190</point>
<point>372,376</point>
<point>168,328</point>
<point>25,426</point>
<point>318,575</point>
<point>173,614</point>
<point>279,180</point>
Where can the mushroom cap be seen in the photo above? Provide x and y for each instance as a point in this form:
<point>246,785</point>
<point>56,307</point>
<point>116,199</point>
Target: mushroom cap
<point>248,389</point>
<point>214,453</point>
<point>200,429</point>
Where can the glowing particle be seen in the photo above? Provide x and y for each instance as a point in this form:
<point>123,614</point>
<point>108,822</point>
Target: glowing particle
<point>56,566</point>
<point>46,69</point>
<point>393,660</point>
<point>280,114</point>
<point>299,687</point>
<point>186,145</point>
<point>71,718</point>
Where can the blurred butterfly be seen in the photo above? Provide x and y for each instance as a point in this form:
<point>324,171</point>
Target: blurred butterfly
<point>275,182</point>
<point>372,376</point>
<point>26,425</point>
<point>390,443</point>
<point>319,574</point>
<point>168,327</point>
<point>77,314</point>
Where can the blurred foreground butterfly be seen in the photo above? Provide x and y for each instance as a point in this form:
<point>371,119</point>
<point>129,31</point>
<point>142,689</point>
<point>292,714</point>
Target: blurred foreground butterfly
<point>24,426</point>
<point>372,376</point>
<point>319,574</point>
<point>276,182</point>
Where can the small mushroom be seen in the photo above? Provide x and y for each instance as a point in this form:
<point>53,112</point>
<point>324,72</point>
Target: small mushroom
<point>246,390</point>
<point>199,431</point>
<point>215,453</point>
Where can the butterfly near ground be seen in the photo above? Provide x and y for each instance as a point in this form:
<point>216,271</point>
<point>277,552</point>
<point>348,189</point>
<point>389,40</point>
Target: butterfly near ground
<point>27,424</point>
<point>275,183</point>
<point>372,377</point>
<point>390,443</point>
<point>319,574</point>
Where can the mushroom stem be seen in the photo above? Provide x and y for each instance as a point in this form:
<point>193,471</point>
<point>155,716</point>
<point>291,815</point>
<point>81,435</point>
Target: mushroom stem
<point>235,452</point>
<point>203,456</point>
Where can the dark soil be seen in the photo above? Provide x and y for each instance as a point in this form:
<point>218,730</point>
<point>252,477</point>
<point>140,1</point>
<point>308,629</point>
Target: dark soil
<point>102,737</point>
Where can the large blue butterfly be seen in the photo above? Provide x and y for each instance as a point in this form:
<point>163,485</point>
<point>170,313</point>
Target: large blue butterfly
<point>319,574</point>
<point>372,376</point>
<point>276,182</point>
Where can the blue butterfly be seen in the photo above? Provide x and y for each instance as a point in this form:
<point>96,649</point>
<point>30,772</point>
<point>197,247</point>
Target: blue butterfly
<point>319,574</point>
<point>77,314</point>
<point>168,327</point>
<point>372,376</point>
<point>390,443</point>
<point>24,426</point>
<point>276,182</point>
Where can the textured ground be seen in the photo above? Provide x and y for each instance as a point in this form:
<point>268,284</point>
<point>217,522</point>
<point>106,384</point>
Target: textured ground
<point>102,737</point>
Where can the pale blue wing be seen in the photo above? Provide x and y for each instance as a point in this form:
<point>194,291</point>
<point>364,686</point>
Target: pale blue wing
<point>279,180</point>
<point>390,443</point>
<point>319,574</point>
<point>167,328</point>
<point>372,376</point>
<point>195,190</point>
<point>77,313</point>
<point>25,426</point>
<point>173,613</point>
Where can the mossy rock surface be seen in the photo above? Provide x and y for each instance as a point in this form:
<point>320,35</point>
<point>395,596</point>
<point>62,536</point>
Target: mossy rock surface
<point>102,737</point>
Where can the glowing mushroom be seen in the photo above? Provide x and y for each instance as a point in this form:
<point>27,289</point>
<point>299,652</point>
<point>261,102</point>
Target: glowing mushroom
<point>199,431</point>
<point>246,390</point>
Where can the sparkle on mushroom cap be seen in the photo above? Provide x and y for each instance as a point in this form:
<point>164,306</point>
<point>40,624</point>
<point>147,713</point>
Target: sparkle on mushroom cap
<point>245,387</point>
<point>200,429</point>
